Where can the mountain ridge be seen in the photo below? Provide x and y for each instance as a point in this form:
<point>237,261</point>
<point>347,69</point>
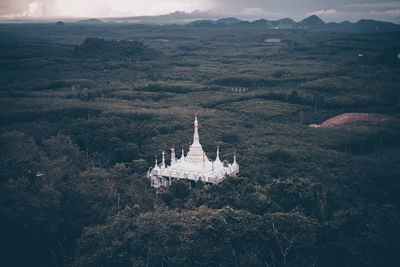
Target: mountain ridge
<point>312,22</point>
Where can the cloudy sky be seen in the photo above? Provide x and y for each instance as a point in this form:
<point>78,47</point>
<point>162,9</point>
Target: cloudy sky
<point>329,10</point>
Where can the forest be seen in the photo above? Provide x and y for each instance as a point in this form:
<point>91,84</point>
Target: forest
<point>86,108</point>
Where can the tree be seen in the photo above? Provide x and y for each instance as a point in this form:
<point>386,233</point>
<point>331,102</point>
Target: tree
<point>294,235</point>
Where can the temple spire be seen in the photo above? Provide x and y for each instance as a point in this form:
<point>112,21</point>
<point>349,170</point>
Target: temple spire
<point>196,130</point>
<point>172,155</point>
<point>183,153</point>
<point>217,159</point>
<point>234,157</point>
<point>163,159</point>
<point>155,165</point>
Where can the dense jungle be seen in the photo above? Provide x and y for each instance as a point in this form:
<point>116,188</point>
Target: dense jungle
<point>86,108</point>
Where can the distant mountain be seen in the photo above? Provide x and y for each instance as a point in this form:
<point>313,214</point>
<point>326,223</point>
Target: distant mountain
<point>204,19</point>
<point>228,21</point>
<point>363,26</point>
<point>286,23</point>
<point>274,24</point>
<point>202,22</point>
<point>223,21</point>
<point>312,22</point>
<point>345,23</point>
<point>210,19</point>
<point>91,21</point>
<point>262,23</point>
<point>59,23</point>
<point>373,25</point>
<point>268,24</point>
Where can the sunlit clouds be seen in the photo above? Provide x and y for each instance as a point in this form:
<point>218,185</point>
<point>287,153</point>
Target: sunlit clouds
<point>329,10</point>
<point>380,11</point>
<point>116,8</point>
<point>98,8</point>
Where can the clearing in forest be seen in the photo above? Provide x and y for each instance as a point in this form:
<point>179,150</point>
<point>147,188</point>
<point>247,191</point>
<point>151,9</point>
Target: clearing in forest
<point>351,117</point>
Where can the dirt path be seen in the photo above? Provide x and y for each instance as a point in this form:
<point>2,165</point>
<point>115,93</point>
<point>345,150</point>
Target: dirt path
<point>351,117</point>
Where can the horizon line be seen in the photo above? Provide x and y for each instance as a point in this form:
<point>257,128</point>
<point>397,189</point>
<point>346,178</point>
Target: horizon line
<point>184,20</point>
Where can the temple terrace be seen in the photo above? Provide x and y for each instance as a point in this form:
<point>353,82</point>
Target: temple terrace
<point>194,166</point>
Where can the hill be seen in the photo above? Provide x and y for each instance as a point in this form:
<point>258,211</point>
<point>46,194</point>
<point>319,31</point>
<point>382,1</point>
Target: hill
<point>228,21</point>
<point>285,23</point>
<point>223,21</point>
<point>90,21</point>
<point>203,22</point>
<point>366,25</point>
<point>311,22</point>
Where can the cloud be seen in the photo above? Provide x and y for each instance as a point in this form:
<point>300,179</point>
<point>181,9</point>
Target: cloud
<point>387,11</point>
<point>374,5</point>
<point>255,11</point>
<point>96,8</point>
<point>25,8</point>
<point>249,13</point>
<point>323,12</point>
<point>108,8</point>
<point>36,9</point>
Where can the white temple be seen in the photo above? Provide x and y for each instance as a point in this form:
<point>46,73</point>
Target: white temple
<point>195,166</point>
